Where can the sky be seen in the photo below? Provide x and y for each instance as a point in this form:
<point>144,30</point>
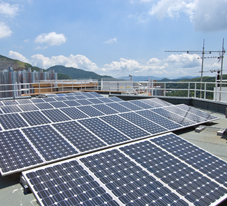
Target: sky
<point>116,37</point>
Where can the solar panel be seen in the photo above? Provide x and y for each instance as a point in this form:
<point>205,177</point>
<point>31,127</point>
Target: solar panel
<point>105,109</point>
<point>144,123</point>
<point>125,127</point>
<point>162,102</point>
<point>49,143</point>
<point>130,106</point>
<point>151,102</point>
<point>11,109</point>
<point>35,118</point>
<point>58,104</point>
<point>61,95</point>
<point>74,113</point>
<point>72,103</point>
<point>28,107</point>
<point>49,99</point>
<point>55,115</point>
<point>12,121</point>
<point>24,101</point>
<point>91,111</point>
<point>88,94</point>
<point>60,98</point>
<point>105,100</point>
<point>71,97</point>
<point>36,100</point>
<point>116,99</point>
<point>79,136</point>
<point>83,101</point>
<point>9,102</point>
<point>95,101</point>
<point>183,178</point>
<point>141,104</point>
<point>173,116</point>
<point>104,131</point>
<point>81,97</point>
<point>164,122</point>
<point>44,105</point>
<point>82,189</point>
<point>96,94</point>
<point>118,107</point>
<point>16,153</point>
<point>1,104</point>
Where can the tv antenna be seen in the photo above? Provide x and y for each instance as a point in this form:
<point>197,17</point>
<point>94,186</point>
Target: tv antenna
<point>203,52</point>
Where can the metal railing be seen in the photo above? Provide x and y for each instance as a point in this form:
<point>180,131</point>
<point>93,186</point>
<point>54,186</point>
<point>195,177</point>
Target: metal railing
<point>205,90</point>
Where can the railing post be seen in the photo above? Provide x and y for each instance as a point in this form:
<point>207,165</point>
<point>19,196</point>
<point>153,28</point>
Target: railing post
<point>188,89</point>
<point>164,89</point>
<point>205,92</point>
<point>195,91</point>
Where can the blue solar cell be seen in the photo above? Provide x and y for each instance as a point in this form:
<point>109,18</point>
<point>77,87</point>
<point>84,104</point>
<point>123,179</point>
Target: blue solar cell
<point>49,99</point>
<point>35,118</point>
<point>12,121</point>
<point>116,99</point>
<point>104,131</point>
<point>141,104</point>
<point>179,176</point>
<point>164,122</point>
<point>130,106</point>
<point>125,127</point>
<point>105,109</point>
<point>81,97</point>
<point>88,95</point>
<point>55,115</point>
<point>58,104</point>
<point>151,102</point>
<point>90,111</point>
<point>95,101</point>
<point>44,105</point>
<point>105,100</point>
<point>11,109</point>
<point>24,101</point>
<point>118,107</point>
<point>84,101</point>
<point>71,97</point>
<point>9,102</point>
<point>126,180</point>
<point>96,94</point>
<point>173,116</point>
<point>28,107</point>
<point>79,136</point>
<point>144,123</point>
<point>72,103</point>
<point>60,98</point>
<point>49,143</point>
<point>198,158</point>
<point>74,113</point>
<point>15,152</point>
<point>67,184</point>
<point>37,100</point>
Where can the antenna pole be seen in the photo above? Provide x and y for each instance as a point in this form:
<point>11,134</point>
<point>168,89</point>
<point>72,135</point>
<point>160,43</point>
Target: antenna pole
<point>222,58</point>
<point>201,80</point>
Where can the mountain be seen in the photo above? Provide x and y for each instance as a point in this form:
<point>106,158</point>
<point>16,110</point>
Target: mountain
<point>16,65</point>
<point>75,73</point>
<point>140,78</point>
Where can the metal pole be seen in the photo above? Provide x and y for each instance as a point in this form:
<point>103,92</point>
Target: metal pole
<point>201,80</point>
<point>222,57</point>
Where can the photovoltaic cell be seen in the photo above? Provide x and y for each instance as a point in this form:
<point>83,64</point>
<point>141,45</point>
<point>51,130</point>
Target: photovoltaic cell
<point>49,143</point>
<point>128,181</point>
<point>35,118</point>
<point>55,115</point>
<point>36,100</point>
<point>91,111</point>
<point>162,102</point>
<point>11,109</point>
<point>104,131</point>
<point>24,101</point>
<point>130,106</point>
<point>67,184</point>
<point>74,113</point>
<point>194,186</point>
<point>49,99</point>
<point>95,101</point>
<point>144,123</point>
<point>193,155</point>
<point>15,152</point>
<point>79,136</point>
<point>60,98</point>
<point>164,122</point>
<point>141,104</point>
<point>72,103</point>
<point>105,100</point>
<point>81,97</point>
<point>118,107</point>
<point>116,99</point>
<point>70,97</point>
<point>9,102</point>
<point>105,109</point>
<point>125,127</point>
<point>44,105</point>
<point>28,107</point>
<point>83,101</point>
<point>151,102</point>
<point>12,121</point>
<point>88,95</point>
<point>173,116</point>
<point>96,94</point>
<point>58,104</point>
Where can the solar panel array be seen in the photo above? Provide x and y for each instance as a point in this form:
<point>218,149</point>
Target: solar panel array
<point>55,129</point>
<point>163,170</point>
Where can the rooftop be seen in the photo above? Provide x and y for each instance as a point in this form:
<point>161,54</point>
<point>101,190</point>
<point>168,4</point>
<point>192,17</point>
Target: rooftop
<point>12,192</point>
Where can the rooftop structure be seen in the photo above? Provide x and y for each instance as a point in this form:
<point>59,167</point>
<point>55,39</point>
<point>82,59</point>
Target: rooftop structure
<point>99,116</point>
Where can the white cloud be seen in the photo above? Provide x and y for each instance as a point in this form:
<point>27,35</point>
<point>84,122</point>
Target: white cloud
<point>5,31</point>
<point>51,39</point>
<point>8,10</point>
<point>110,41</point>
<point>206,16</point>
<point>18,56</point>
<point>77,61</point>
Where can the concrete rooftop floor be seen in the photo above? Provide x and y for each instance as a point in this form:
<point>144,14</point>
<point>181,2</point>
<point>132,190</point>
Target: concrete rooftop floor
<point>11,192</point>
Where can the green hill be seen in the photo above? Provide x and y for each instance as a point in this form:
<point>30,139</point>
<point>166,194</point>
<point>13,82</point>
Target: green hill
<point>75,73</point>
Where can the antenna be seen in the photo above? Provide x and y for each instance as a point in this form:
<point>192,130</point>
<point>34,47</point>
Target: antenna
<point>203,53</point>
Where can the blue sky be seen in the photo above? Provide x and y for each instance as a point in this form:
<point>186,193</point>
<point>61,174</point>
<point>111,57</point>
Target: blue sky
<point>115,37</point>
